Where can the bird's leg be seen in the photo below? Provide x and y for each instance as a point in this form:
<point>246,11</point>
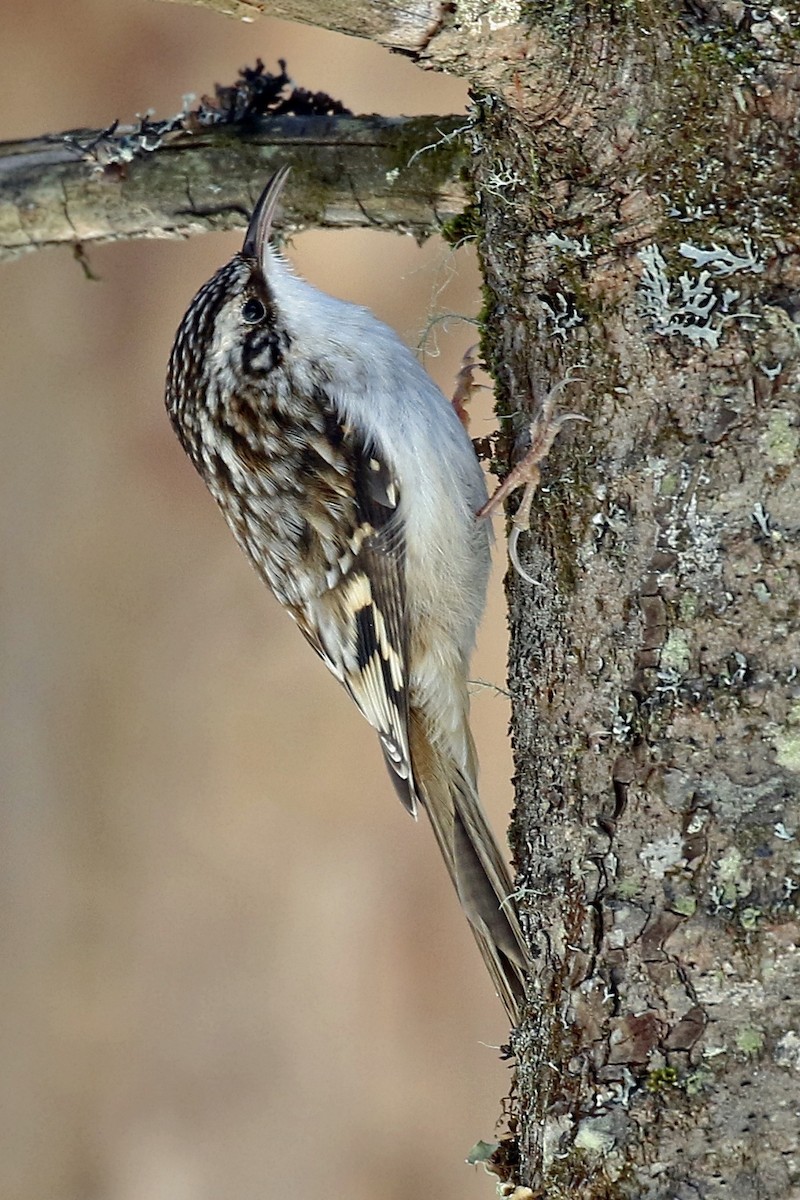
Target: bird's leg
<point>544,430</point>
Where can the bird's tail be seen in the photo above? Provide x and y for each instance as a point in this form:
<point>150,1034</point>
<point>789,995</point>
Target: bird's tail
<point>476,866</point>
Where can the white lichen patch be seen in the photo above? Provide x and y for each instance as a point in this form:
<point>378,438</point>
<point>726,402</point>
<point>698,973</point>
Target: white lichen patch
<point>557,1132</point>
<point>661,856</point>
<point>786,740</point>
<point>729,298</point>
<point>721,261</point>
<point>503,182</point>
<point>594,1136</point>
<point>561,315</point>
<point>691,306</point>
<point>690,209</point>
<point>683,308</point>
<point>787,749</point>
<point>498,14</point>
<point>729,885</point>
<point>729,866</point>
<point>569,245</point>
<point>787,1050</point>
<point>693,535</point>
<point>720,988</point>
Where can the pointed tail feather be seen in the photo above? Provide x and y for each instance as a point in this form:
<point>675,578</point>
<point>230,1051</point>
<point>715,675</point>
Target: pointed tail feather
<point>476,866</point>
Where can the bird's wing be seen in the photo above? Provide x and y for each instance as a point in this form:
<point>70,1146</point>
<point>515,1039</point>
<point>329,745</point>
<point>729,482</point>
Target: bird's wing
<point>358,625</point>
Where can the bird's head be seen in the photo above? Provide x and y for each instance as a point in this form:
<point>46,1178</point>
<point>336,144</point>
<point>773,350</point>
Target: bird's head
<point>231,336</point>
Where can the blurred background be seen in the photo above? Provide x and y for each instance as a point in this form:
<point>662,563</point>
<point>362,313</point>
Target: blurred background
<point>232,965</point>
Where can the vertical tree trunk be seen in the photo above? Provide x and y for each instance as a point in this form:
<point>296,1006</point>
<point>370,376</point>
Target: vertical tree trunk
<point>637,187</point>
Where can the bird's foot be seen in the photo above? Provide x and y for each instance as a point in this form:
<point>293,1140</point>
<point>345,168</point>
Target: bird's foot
<point>544,430</point>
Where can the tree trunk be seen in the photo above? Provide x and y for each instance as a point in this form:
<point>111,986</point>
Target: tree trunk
<point>636,190</point>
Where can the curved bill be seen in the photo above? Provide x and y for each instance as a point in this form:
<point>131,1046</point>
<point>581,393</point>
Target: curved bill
<point>260,227</point>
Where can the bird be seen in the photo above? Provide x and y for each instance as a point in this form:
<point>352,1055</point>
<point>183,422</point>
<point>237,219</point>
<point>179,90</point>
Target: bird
<point>353,488</point>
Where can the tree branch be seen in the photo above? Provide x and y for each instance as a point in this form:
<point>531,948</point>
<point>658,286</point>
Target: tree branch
<point>405,25</point>
<point>399,173</point>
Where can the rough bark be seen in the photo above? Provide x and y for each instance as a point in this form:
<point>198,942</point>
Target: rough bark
<point>637,198</point>
<point>91,186</point>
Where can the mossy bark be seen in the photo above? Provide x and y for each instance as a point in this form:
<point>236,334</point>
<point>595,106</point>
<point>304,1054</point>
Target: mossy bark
<point>93,186</point>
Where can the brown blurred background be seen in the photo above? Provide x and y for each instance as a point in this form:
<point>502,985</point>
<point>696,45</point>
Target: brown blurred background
<point>232,965</point>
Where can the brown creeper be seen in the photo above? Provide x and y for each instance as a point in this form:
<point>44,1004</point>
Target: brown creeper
<point>351,485</point>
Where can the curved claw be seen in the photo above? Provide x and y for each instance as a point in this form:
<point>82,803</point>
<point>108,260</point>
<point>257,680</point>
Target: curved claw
<point>513,554</point>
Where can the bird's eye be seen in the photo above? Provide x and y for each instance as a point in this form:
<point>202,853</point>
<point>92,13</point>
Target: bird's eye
<point>253,311</point>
